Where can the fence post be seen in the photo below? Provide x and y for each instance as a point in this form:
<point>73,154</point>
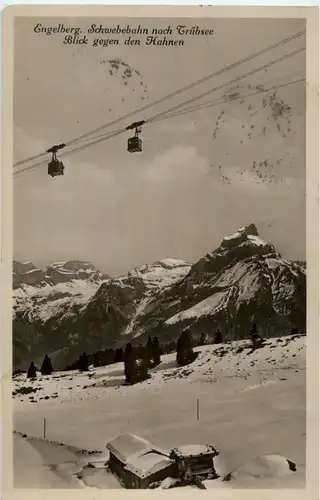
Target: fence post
<point>198,409</point>
<point>44,428</point>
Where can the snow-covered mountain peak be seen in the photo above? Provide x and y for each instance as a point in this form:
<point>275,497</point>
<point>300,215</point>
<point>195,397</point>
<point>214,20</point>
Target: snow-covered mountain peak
<point>244,280</point>
<point>72,265</point>
<point>26,274</point>
<point>243,245</point>
<point>244,234</point>
<point>169,263</point>
<point>161,273</point>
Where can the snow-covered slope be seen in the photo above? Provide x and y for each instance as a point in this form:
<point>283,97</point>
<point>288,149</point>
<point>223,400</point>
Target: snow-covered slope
<point>73,305</point>
<point>251,403</point>
<point>213,363</point>
<point>26,273</point>
<point>244,280</point>
<point>162,273</point>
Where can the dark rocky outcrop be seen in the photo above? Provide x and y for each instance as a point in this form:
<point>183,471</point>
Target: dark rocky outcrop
<point>244,281</point>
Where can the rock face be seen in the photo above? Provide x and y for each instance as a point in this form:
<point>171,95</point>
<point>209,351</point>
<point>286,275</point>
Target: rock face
<point>26,272</point>
<point>59,272</point>
<point>244,281</point>
<point>75,307</point>
<point>63,272</point>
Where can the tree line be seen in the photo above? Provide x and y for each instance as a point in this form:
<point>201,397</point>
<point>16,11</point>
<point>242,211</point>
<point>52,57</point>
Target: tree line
<point>138,360</point>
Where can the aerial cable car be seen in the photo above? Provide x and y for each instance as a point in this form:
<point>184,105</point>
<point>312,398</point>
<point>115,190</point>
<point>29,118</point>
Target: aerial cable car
<point>55,167</point>
<point>135,143</point>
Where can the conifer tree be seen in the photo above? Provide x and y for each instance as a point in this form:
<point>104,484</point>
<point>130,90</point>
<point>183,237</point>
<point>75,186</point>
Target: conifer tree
<point>218,337</point>
<point>142,370</point>
<point>46,367</point>
<point>156,351</point>
<point>255,337</point>
<point>83,362</point>
<point>185,352</point>
<point>32,371</point>
<point>149,352</point>
<point>203,339</point>
<point>118,358</point>
<point>96,359</point>
<point>130,365</point>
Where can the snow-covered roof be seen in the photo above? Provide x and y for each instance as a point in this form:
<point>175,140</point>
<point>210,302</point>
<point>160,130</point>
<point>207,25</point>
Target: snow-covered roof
<point>148,463</point>
<point>193,450</point>
<point>126,446</point>
<point>139,455</point>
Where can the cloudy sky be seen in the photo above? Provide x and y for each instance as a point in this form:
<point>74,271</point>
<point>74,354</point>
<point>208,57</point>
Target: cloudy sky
<point>201,175</point>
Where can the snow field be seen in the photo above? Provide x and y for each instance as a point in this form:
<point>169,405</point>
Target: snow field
<point>250,404</point>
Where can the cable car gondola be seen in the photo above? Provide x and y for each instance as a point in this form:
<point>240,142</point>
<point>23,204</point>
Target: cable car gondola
<point>55,167</point>
<point>135,143</point>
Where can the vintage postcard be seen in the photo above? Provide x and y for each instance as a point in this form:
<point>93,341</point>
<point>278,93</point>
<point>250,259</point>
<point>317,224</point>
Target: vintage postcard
<point>160,251</point>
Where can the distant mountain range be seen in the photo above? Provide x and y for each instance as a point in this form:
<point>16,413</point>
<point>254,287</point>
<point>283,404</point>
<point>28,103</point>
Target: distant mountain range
<point>72,306</point>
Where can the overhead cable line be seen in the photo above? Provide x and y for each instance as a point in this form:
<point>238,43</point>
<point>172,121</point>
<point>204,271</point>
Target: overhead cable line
<point>172,115</point>
<point>74,150</point>
<point>223,85</point>
<point>173,94</point>
<point>215,89</point>
<point>225,101</point>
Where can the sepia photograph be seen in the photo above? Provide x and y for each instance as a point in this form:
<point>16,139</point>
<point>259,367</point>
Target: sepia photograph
<point>159,267</point>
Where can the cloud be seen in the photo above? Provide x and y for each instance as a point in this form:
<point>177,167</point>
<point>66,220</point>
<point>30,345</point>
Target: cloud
<point>27,145</point>
<point>120,210</point>
<point>177,163</point>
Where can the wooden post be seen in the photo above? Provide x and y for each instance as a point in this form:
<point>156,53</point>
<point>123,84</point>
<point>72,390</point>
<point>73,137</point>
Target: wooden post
<point>44,428</point>
<point>198,409</point>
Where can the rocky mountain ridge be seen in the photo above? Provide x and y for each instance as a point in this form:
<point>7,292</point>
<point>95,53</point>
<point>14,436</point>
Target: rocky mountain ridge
<point>26,273</point>
<point>52,313</point>
<point>244,280</point>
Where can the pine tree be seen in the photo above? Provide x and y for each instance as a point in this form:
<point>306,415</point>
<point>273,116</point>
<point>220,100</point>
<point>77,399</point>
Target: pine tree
<point>149,352</point>
<point>118,358</point>
<point>142,370</point>
<point>254,330</point>
<point>83,362</point>
<point>185,352</point>
<point>218,337</point>
<point>255,337</point>
<point>130,364</point>
<point>32,371</point>
<point>96,359</point>
<point>203,339</point>
<point>156,351</point>
<point>46,367</point>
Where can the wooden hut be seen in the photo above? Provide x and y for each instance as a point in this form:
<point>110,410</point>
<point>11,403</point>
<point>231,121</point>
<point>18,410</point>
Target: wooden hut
<point>137,462</point>
<point>194,460</point>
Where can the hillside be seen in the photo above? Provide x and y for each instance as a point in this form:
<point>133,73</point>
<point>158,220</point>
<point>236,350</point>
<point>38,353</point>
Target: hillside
<point>75,306</point>
<point>251,404</point>
<point>244,280</point>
